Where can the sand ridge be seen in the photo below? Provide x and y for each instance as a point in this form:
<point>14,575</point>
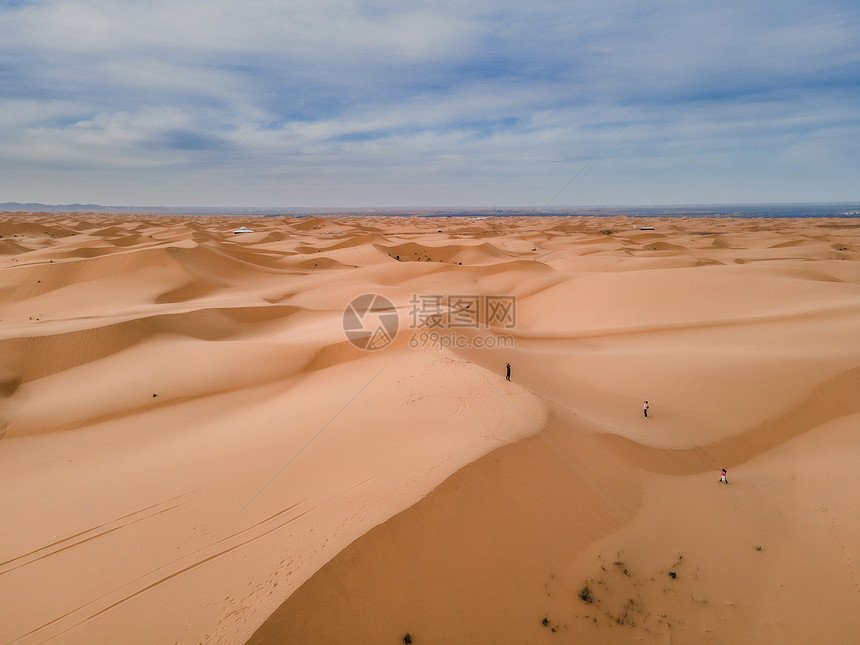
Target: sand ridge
<point>192,451</point>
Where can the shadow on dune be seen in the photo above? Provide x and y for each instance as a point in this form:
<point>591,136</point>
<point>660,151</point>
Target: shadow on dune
<point>30,358</point>
<point>830,400</point>
<point>522,509</point>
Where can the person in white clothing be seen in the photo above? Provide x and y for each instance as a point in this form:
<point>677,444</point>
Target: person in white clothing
<point>645,409</point>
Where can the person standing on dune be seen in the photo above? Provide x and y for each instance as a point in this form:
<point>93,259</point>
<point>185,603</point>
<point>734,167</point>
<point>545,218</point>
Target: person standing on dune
<point>645,409</point>
<point>508,368</point>
<point>723,478</point>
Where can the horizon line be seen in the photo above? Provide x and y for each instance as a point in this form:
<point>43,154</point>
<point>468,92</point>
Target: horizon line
<point>5,206</point>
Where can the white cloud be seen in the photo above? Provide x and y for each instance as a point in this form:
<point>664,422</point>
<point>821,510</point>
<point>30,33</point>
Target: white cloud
<point>380,101</point>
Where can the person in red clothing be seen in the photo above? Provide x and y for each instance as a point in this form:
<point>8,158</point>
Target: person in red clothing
<point>723,478</point>
<point>645,409</point>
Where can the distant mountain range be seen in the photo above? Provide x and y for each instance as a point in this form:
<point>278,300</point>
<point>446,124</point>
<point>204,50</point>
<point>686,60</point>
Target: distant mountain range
<point>164,210</point>
<point>47,208</point>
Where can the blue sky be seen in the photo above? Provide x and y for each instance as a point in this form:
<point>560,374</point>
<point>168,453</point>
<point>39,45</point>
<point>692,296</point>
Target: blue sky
<point>478,104</point>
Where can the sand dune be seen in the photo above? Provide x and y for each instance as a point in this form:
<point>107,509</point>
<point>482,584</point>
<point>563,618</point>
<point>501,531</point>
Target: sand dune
<point>192,450</point>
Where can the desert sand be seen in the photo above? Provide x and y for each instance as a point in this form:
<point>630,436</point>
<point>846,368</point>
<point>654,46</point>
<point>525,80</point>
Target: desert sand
<point>193,451</point>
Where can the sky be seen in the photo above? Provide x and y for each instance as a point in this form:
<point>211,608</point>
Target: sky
<point>482,104</point>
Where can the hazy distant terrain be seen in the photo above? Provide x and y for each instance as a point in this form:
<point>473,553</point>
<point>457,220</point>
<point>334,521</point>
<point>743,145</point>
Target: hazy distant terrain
<point>827,209</point>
